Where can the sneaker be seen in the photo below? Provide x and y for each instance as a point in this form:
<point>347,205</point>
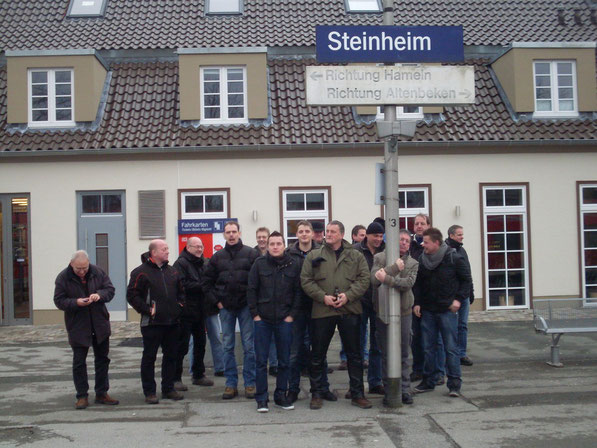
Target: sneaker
<point>82,403</point>
<point>178,385</point>
<point>440,380</point>
<point>106,399</point>
<point>423,387</point>
<point>361,402</point>
<point>250,392</point>
<point>173,395</point>
<point>466,361</point>
<point>343,365</point>
<point>454,393</point>
<point>219,374</point>
<point>328,395</point>
<point>151,399</point>
<point>262,406</point>
<point>273,371</point>
<point>203,381</point>
<point>378,390</point>
<point>407,398</point>
<point>284,404</point>
<point>229,393</point>
<point>292,396</point>
<point>316,403</point>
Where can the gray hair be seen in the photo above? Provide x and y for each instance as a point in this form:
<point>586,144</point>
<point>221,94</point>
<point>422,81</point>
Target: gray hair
<point>79,254</point>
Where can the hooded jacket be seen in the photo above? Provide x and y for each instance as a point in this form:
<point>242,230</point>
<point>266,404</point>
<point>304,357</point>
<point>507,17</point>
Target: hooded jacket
<point>84,321</point>
<point>274,289</point>
<point>295,252</point>
<point>226,276</point>
<point>191,269</point>
<point>160,284</point>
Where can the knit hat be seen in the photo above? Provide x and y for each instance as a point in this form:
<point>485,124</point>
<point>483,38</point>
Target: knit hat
<point>375,227</point>
<point>317,226</point>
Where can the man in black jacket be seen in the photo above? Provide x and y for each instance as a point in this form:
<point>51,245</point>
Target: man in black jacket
<point>156,292</point>
<point>273,296</point>
<point>190,265</point>
<point>454,240</point>
<point>225,285</point>
<point>443,281</point>
<point>82,291</point>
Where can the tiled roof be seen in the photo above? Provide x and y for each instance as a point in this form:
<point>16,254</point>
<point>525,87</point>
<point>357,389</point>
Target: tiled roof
<point>142,112</point>
<point>151,24</point>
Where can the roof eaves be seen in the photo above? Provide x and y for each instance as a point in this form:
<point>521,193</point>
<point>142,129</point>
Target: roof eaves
<point>67,52</point>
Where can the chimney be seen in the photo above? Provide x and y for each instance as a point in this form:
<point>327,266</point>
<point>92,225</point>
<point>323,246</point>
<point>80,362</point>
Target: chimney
<point>561,17</point>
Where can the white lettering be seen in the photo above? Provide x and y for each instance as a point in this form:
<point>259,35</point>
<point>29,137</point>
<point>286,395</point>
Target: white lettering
<point>378,42</point>
<point>332,37</point>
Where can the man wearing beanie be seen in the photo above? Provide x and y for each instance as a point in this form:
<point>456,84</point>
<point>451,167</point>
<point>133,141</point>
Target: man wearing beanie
<point>443,282</point>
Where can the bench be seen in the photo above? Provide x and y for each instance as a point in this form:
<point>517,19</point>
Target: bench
<point>558,316</point>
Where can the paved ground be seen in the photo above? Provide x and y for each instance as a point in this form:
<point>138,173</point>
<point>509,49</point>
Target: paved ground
<point>511,398</point>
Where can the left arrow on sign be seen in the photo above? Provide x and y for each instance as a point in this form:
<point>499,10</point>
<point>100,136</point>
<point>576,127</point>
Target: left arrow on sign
<point>316,75</point>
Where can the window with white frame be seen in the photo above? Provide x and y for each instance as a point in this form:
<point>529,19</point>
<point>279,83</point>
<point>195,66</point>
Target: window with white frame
<point>303,204</point>
<point>205,204</point>
<point>506,246</point>
<point>51,97</point>
<point>412,201</point>
<point>223,95</point>
<point>363,5</point>
<point>555,88</point>
<point>404,112</point>
<point>223,6</point>
<point>588,237</point>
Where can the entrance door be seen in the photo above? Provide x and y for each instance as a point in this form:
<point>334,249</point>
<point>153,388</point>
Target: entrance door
<point>102,233</point>
<point>15,281</point>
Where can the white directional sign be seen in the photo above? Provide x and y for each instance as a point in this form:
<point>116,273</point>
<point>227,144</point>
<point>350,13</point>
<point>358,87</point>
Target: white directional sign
<point>422,85</point>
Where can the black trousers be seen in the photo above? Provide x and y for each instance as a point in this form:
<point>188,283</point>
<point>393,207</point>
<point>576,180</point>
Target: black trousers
<point>100,352</point>
<point>197,329</point>
<point>349,327</point>
<point>154,337</point>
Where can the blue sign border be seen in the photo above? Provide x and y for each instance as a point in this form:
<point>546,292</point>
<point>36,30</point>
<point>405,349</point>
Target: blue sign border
<point>389,43</point>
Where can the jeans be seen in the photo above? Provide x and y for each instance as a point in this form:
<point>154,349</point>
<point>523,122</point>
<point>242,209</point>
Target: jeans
<point>322,332</point>
<point>155,336</point>
<point>100,352</point>
<point>463,326</point>
<point>374,370</point>
<point>405,339</point>
<point>417,345</point>
<point>214,333</point>
<point>273,354</point>
<point>433,324</point>
<point>300,352</point>
<point>265,332</point>
<point>197,330</point>
<point>245,322</point>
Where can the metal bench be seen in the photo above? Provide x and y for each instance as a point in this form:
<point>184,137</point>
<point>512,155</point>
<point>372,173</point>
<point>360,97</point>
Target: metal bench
<point>559,316</point>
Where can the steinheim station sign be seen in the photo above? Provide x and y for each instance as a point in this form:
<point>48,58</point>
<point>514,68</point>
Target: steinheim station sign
<point>411,84</point>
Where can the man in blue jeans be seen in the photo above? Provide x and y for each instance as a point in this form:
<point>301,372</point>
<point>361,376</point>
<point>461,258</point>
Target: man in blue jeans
<point>443,282</point>
<point>274,295</point>
<point>225,285</point>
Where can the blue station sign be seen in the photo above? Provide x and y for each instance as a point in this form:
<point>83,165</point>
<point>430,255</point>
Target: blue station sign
<point>389,43</point>
<point>193,226</point>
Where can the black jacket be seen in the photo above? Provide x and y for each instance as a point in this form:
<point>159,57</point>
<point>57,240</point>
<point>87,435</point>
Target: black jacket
<point>436,289</point>
<point>226,276</point>
<point>274,290</point>
<point>362,247</point>
<point>416,249</point>
<point>462,252</point>
<point>294,251</point>
<point>191,269</point>
<point>83,321</point>
<point>162,285</point>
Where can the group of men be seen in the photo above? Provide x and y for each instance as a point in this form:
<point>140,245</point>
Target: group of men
<point>287,301</point>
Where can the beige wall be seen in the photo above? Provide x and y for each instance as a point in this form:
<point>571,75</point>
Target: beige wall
<point>455,181</point>
<point>189,81</point>
<point>89,78</point>
<point>515,73</point>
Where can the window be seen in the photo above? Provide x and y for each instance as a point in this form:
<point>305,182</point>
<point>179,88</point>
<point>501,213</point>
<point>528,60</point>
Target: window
<point>223,95</point>
<point>506,251</point>
<point>94,203</point>
<point>51,101</point>
<point>87,8</point>
<point>588,238</point>
<point>300,204</point>
<point>408,112</point>
<point>197,204</point>
<point>363,5</point>
<point>555,88</point>
<point>412,201</point>
<point>223,7</point>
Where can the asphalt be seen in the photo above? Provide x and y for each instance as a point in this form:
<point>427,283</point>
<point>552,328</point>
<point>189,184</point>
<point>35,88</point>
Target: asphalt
<point>510,398</point>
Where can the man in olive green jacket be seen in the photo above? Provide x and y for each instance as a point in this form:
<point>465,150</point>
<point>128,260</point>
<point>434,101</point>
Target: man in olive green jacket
<point>400,275</point>
<point>336,276</point>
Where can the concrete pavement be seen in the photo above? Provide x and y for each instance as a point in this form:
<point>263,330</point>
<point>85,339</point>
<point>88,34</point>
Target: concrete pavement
<point>511,398</point>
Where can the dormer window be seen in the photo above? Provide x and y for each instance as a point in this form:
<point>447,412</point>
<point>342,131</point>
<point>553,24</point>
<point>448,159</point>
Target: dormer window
<point>223,6</point>
<point>86,8</point>
<point>51,97</point>
<point>555,88</point>
<point>363,6</point>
